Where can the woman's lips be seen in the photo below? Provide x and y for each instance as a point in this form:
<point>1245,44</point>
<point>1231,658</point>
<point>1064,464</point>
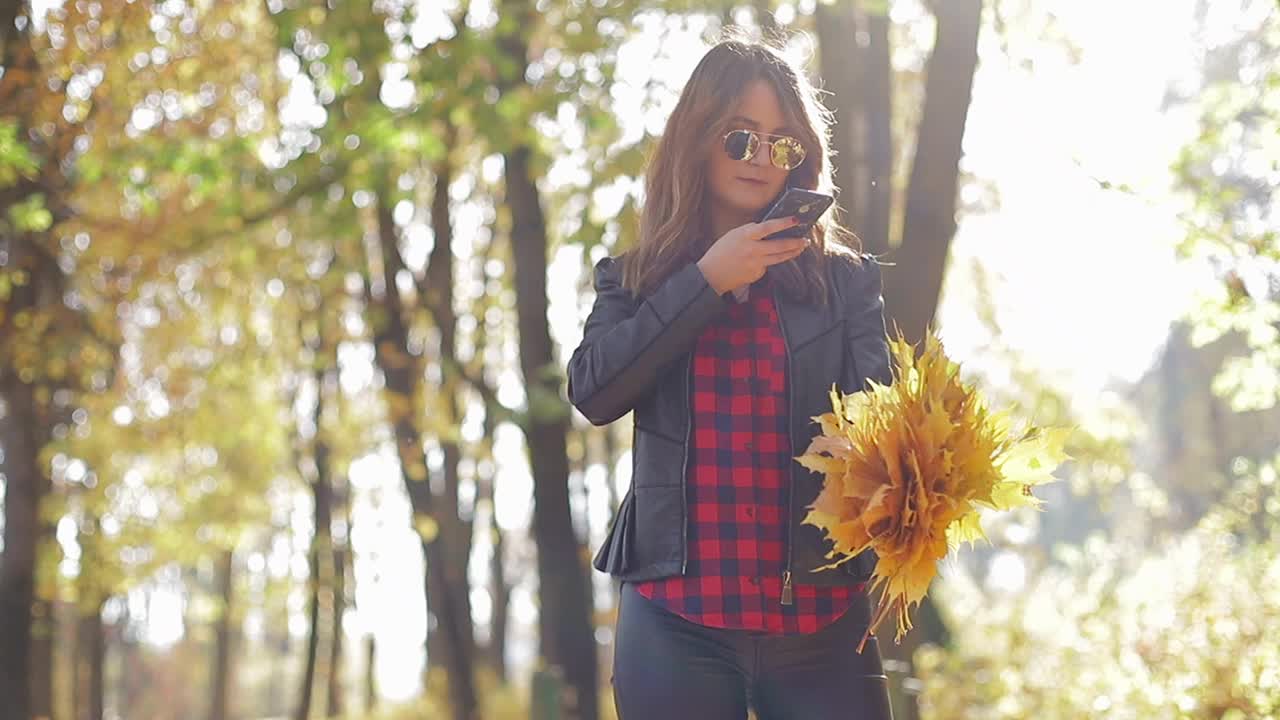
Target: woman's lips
<point>752,181</point>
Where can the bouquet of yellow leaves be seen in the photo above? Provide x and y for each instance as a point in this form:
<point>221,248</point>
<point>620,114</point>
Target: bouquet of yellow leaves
<point>908,466</point>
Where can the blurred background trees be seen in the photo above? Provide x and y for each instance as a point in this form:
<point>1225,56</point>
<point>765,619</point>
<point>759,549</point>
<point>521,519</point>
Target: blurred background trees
<point>286,291</point>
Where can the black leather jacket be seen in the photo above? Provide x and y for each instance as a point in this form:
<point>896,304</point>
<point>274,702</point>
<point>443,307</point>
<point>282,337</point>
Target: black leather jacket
<point>635,356</point>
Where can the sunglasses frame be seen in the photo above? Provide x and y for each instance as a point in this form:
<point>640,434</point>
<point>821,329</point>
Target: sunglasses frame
<point>758,137</point>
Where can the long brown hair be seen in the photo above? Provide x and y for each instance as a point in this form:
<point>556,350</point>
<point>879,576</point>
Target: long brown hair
<point>674,226</point>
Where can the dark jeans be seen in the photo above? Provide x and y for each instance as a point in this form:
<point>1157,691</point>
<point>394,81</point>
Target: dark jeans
<point>668,668</point>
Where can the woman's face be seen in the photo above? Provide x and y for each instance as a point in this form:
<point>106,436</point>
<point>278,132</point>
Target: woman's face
<point>746,187</point>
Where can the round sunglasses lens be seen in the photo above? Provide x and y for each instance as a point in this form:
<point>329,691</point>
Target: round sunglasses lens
<point>740,145</point>
<point>787,154</point>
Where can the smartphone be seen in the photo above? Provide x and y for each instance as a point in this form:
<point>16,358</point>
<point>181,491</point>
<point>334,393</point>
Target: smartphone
<point>807,205</point>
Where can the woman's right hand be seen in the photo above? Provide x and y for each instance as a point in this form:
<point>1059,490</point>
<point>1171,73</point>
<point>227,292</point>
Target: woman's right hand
<point>740,256</point>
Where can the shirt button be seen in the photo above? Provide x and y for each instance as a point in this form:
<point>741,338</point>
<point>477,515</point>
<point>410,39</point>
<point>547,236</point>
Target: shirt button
<point>751,512</point>
<point>748,445</point>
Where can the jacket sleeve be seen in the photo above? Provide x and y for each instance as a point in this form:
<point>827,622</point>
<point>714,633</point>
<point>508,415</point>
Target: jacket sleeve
<point>866,338</point>
<point>626,339</point>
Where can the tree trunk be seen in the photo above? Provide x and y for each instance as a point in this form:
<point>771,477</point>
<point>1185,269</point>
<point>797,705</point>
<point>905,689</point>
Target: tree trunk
<point>90,643</point>
<point>131,679</point>
<point>564,595</point>
<point>486,480</point>
<point>25,486</point>
<point>402,370</point>
<point>839,60</point>
<point>91,653</point>
<point>609,442</point>
<point>322,552</point>
<point>24,428</point>
<point>611,466</point>
<point>44,627</point>
<point>336,699</point>
<point>576,442</point>
<point>307,687</point>
<point>280,644</point>
<point>877,94</point>
<point>912,287</point>
<point>370,677</point>
<point>36,283</point>
<point>499,589</point>
<point>224,637</point>
<point>500,592</point>
<point>438,298</point>
<point>564,620</point>
<point>861,80</point>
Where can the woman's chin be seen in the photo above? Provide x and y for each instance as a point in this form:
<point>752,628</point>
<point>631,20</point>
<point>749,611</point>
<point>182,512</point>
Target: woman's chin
<point>752,204</point>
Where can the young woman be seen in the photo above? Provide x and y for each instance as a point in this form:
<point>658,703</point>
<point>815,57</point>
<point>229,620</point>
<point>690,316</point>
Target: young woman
<point>726,345</point>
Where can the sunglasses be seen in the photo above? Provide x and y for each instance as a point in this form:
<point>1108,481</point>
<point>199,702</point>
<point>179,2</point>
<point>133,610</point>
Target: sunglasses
<point>786,153</point>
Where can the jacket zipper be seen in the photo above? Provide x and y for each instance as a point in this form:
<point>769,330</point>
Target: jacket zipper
<point>786,574</point>
<point>684,463</point>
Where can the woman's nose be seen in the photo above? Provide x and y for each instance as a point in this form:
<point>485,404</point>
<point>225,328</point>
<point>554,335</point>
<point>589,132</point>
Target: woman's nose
<point>761,158</point>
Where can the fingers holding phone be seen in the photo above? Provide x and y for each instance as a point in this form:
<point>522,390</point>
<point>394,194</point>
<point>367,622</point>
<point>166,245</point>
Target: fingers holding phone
<point>779,248</point>
<point>741,256</point>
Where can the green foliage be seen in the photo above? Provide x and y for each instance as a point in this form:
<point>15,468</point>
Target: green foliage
<point>1114,631</point>
<point>16,160</point>
<point>30,215</point>
<point>1228,173</point>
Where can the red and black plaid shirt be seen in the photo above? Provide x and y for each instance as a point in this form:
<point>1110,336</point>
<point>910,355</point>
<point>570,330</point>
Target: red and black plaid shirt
<point>739,467</point>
